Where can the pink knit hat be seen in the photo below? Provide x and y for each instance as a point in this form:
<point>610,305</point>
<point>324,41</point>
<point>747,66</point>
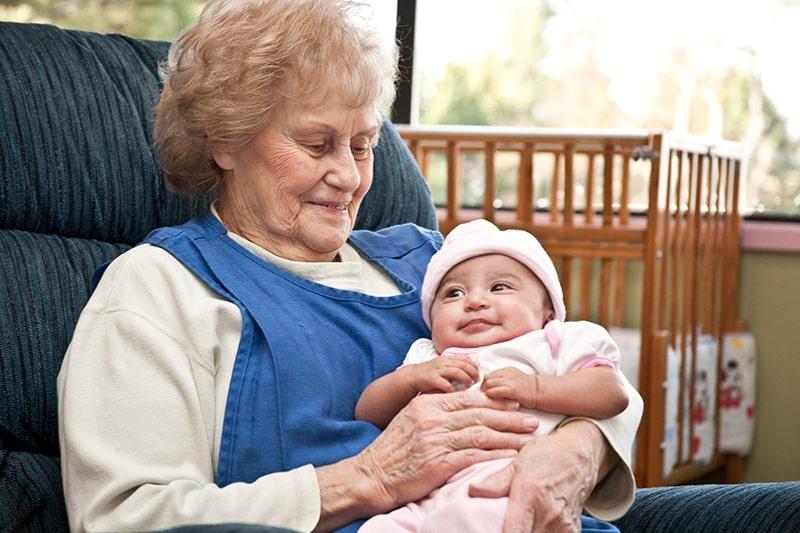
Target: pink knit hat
<point>481,237</point>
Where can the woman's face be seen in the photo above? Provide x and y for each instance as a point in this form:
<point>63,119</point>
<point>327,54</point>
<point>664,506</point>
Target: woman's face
<point>295,189</point>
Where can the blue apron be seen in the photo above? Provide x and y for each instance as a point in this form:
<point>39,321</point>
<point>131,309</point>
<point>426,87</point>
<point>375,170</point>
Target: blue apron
<point>307,351</point>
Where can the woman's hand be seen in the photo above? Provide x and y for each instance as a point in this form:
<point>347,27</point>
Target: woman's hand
<point>550,479</point>
<point>432,438</point>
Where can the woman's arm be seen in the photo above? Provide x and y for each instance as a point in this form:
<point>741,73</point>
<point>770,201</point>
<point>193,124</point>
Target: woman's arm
<point>594,392</point>
<point>138,410</point>
<point>384,397</point>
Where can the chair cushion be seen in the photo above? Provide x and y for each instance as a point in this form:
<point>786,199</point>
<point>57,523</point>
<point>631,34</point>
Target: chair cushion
<point>712,508</point>
<point>31,498</point>
<point>76,152</point>
<point>44,283</point>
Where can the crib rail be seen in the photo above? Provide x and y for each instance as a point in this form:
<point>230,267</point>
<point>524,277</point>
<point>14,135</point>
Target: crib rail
<point>574,190</point>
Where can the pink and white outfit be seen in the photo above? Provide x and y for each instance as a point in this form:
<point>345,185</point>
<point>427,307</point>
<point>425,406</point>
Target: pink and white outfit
<point>558,349</point>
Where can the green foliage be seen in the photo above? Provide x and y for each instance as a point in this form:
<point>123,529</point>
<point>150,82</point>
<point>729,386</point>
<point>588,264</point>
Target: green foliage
<point>150,19</point>
<point>494,89</point>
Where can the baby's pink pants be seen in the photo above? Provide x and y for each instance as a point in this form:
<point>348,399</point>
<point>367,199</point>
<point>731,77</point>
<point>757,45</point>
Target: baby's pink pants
<point>448,508</point>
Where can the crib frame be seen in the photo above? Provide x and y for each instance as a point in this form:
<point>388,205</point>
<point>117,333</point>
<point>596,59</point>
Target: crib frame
<point>687,243</point>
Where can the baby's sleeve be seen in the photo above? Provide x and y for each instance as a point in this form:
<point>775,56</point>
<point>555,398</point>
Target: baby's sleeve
<point>583,345</point>
<point>421,351</point>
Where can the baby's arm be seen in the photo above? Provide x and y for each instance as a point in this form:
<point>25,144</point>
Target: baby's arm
<point>594,392</point>
<point>387,395</point>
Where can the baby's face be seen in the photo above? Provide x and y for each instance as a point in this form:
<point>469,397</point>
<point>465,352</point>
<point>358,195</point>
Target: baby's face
<point>485,300</point>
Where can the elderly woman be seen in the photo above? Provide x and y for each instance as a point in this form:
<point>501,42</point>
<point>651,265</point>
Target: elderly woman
<point>212,377</point>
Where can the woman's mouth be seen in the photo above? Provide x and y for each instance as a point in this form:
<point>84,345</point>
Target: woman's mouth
<point>333,206</point>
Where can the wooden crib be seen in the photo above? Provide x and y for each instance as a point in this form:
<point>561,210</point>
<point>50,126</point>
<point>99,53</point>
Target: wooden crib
<point>577,192</point>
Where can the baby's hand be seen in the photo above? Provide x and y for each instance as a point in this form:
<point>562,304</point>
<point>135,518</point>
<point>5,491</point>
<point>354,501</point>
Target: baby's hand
<point>440,374</point>
<point>511,384</point>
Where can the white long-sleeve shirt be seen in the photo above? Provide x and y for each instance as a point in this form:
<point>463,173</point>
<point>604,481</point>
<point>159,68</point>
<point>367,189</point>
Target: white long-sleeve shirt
<point>142,394</point>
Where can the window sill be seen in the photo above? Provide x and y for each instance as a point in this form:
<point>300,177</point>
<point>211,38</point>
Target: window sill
<point>760,236</point>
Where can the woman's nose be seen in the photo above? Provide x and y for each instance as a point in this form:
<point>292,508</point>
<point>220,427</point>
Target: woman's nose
<point>344,174</point>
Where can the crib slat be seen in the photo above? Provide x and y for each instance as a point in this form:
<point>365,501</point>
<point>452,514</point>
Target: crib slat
<point>676,338</point>
<point>687,345</point>
<point>619,292</point>
<point>566,280</point>
<point>691,296</point>
<point>605,291</point>
<point>525,185</point>
<point>624,210</point>
<point>554,184</point>
<point>732,247</point>
<point>589,207</point>
<point>453,183</point>
<point>608,185</point>
<point>708,282</point>
<point>489,186</point>
<point>718,247</point>
<point>569,184</point>
<point>587,265</point>
<point>661,311</point>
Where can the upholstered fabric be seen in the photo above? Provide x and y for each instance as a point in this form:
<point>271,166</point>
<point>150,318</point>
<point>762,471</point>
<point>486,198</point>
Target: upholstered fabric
<point>44,282</point>
<point>715,508</point>
<point>76,156</point>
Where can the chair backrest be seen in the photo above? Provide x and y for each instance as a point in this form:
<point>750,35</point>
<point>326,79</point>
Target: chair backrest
<point>79,184</point>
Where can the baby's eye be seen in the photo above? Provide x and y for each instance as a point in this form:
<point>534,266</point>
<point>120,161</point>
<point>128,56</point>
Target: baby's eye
<point>453,293</point>
<point>500,287</point>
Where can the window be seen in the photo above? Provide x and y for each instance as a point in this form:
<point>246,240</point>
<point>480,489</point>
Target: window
<point>705,67</point>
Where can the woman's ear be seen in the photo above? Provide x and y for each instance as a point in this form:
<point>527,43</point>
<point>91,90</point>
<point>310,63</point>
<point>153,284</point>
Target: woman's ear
<point>225,160</point>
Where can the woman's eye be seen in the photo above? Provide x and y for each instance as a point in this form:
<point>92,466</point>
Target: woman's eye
<point>317,148</point>
<point>500,287</point>
<point>361,151</point>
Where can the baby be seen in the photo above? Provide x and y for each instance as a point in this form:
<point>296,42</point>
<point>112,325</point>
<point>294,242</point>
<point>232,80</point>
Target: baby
<point>496,311</point>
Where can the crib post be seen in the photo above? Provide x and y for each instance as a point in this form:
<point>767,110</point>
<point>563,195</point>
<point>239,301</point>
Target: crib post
<point>652,371</point>
<point>655,437</point>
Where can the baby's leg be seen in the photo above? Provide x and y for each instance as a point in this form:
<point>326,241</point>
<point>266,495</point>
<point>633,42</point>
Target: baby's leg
<point>453,509</point>
<point>404,519</point>
<point>414,517</point>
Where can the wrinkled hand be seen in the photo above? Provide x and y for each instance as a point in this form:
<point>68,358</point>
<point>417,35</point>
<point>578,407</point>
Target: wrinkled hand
<point>435,436</point>
<point>550,480</point>
<point>511,384</point>
<point>440,374</point>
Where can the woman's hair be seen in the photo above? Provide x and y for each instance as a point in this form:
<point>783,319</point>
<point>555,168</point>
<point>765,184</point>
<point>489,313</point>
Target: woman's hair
<point>228,75</point>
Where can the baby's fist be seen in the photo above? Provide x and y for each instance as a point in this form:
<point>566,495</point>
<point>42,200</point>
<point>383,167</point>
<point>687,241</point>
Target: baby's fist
<point>511,384</point>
